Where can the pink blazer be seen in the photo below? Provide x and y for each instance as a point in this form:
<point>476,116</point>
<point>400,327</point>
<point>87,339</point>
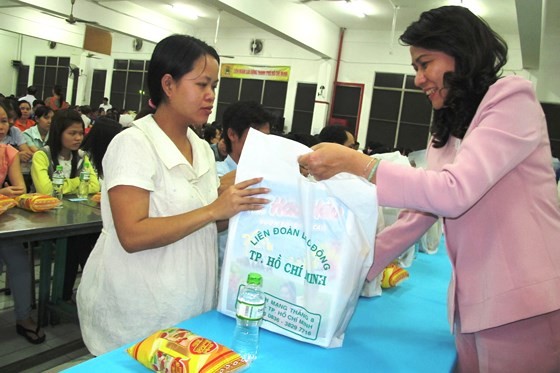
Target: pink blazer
<point>496,191</point>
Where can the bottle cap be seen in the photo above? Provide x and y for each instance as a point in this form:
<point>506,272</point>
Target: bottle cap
<point>254,279</point>
<point>59,167</point>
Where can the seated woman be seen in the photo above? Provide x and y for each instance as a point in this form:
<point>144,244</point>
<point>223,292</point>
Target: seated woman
<point>63,148</point>
<point>14,136</point>
<point>24,112</point>
<point>13,254</point>
<point>36,137</point>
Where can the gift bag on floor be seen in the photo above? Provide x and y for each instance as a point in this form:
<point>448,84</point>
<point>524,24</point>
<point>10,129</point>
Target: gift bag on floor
<point>313,244</point>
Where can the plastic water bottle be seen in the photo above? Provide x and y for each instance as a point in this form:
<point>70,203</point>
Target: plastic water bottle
<point>58,183</point>
<point>83,187</point>
<point>249,312</point>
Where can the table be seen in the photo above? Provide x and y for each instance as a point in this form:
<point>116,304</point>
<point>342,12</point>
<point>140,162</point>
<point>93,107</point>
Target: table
<point>49,227</point>
<point>404,330</point>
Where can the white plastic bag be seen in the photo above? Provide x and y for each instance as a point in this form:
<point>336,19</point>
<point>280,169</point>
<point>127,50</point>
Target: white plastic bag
<point>313,244</point>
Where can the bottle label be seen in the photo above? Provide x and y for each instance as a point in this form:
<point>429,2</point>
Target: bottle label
<point>57,181</point>
<point>251,312</point>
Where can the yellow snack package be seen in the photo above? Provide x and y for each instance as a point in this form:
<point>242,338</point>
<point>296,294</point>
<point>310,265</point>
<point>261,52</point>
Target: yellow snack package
<point>37,202</point>
<point>96,197</point>
<point>181,351</point>
<point>393,275</point>
<point>6,203</point>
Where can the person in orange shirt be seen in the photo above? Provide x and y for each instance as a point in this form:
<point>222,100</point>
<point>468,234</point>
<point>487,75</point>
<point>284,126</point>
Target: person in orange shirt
<point>57,100</point>
<point>24,112</point>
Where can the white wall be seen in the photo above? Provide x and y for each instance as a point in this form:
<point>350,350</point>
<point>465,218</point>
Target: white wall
<point>10,43</point>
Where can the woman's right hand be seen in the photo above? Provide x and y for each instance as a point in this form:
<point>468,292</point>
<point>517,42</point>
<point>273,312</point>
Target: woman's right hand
<point>239,197</point>
<point>329,159</point>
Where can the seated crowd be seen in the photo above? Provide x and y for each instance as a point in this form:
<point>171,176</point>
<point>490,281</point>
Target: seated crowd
<point>34,139</point>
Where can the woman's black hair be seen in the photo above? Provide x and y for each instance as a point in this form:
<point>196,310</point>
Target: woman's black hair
<point>4,104</point>
<point>303,138</point>
<point>174,55</point>
<point>63,119</point>
<point>11,104</point>
<point>98,139</point>
<point>42,111</point>
<point>210,132</point>
<point>479,55</point>
<point>18,110</point>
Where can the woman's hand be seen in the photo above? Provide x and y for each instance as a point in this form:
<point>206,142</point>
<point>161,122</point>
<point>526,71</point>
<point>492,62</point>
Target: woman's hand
<point>12,191</point>
<point>329,159</point>
<point>239,197</point>
<point>25,155</point>
<point>226,181</point>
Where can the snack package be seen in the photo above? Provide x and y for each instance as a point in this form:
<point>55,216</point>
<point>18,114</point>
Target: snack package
<point>3,209</point>
<point>181,351</point>
<point>393,275</point>
<point>6,203</point>
<point>37,202</point>
<point>96,197</point>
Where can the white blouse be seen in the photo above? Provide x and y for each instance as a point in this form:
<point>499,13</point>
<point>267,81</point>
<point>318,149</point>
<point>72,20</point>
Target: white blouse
<point>124,296</point>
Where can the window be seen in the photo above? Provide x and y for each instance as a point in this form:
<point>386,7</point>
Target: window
<point>346,105</point>
<point>98,88</point>
<point>22,80</point>
<point>48,72</point>
<point>128,88</point>
<point>400,114</point>
<point>303,108</point>
<point>269,93</point>
<point>274,100</point>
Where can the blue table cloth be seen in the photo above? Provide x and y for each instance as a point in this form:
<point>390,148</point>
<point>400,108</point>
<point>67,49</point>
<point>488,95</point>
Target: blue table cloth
<point>404,330</point>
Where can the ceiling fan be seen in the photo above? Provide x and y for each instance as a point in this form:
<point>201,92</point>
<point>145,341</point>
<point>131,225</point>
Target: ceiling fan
<point>71,19</point>
<point>91,55</point>
<point>309,1</point>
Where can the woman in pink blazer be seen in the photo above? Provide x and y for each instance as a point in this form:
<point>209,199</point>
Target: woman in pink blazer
<point>490,178</point>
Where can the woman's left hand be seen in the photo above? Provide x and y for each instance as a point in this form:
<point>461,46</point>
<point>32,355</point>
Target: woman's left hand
<point>25,155</point>
<point>329,159</point>
<point>12,191</point>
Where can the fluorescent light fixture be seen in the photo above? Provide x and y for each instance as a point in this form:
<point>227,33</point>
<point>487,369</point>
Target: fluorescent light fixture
<point>357,8</point>
<point>185,11</point>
